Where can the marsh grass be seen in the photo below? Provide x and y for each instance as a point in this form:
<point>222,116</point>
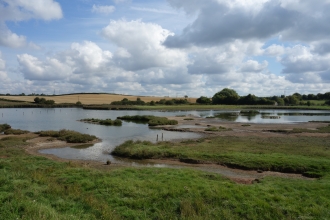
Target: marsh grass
<point>15,131</point>
<point>219,129</point>
<point>150,119</point>
<point>325,129</point>
<point>305,155</point>
<point>68,136</point>
<point>107,122</point>
<point>45,189</point>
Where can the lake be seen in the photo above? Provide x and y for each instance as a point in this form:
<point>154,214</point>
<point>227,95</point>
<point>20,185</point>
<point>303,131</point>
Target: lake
<point>37,119</point>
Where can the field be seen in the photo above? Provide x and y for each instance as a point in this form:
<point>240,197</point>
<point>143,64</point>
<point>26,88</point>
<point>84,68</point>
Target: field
<point>89,99</point>
<point>38,188</point>
<point>46,187</point>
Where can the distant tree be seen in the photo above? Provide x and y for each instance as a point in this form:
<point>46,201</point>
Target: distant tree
<point>311,97</point>
<point>78,103</point>
<point>152,103</point>
<point>225,96</point>
<point>36,99</point>
<point>248,100</point>
<point>203,100</point>
<point>169,102</point>
<point>185,96</point>
<point>298,96</point>
<point>291,100</point>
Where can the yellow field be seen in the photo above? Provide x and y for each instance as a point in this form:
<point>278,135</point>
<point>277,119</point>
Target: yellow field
<point>91,98</point>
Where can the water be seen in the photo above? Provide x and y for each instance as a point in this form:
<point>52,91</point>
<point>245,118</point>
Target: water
<point>37,119</point>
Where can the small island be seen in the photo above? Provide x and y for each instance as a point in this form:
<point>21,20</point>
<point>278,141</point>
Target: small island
<point>107,122</point>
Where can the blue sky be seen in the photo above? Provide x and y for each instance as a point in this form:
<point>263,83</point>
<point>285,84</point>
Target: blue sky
<point>164,47</point>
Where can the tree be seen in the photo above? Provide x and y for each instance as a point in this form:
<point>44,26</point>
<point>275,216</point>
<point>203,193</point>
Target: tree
<point>225,96</point>
<point>248,100</point>
<point>203,100</point>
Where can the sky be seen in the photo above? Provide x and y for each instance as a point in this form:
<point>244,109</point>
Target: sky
<point>165,47</point>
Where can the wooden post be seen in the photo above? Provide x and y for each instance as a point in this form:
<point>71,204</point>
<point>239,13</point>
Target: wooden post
<point>157,137</point>
<point>162,136</point>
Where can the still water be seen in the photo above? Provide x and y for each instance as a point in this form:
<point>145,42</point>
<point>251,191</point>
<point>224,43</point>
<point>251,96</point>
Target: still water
<point>36,119</point>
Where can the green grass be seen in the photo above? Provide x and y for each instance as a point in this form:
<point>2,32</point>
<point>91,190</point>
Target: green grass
<point>107,122</point>
<point>68,136</point>
<point>37,188</point>
<point>150,119</point>
<point>215,129</point>
<point>305,155</point>
<point>325,129</point>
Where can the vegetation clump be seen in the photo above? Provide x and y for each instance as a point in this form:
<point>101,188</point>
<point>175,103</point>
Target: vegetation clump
<point>325,129</point>
<point>4,127</point>
<point>215,129</point>
<point>44,101</point>
<point>125,101</point>
<point>15,131</point>
<point>308,156</point>
<point>68,136</point>
<point>149,119</point>
<point>107,122</point>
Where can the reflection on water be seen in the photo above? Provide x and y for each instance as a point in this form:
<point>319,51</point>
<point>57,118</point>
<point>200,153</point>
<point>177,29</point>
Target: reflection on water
<point>36,119</point>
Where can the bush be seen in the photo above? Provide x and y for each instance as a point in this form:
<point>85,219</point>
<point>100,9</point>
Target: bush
<point>4,127</point>
<point>38,100</point>
<point>15,131</point>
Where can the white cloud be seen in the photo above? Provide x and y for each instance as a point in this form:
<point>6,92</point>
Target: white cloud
<point>302,65</point>
<point>254,66</point>
<point>9,39</point>
<point>3,73</point>
<point>275,50</point>
<point>221,21</point>
<point>154,10</point>
<point>2,63</point>
<point>103,9</point>
<point>86,60</point>
<point>20,10</point>
<point>50,69</point>
<point>142,43</point>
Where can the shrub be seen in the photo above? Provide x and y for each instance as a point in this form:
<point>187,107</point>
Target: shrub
<point>4,127</point>
<point>15,131</point>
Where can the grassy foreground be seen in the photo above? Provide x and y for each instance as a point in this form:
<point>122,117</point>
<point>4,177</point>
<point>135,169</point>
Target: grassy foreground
<point>37,188</point>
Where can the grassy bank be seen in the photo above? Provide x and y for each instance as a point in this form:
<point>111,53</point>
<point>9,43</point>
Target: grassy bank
<point>37,188</point>
<point>306,155</point>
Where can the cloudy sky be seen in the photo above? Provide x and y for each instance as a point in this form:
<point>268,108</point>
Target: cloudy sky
<point>165,47</point>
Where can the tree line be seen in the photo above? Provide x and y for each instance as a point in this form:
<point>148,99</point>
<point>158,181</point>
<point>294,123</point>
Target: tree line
<point>230,97</point>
